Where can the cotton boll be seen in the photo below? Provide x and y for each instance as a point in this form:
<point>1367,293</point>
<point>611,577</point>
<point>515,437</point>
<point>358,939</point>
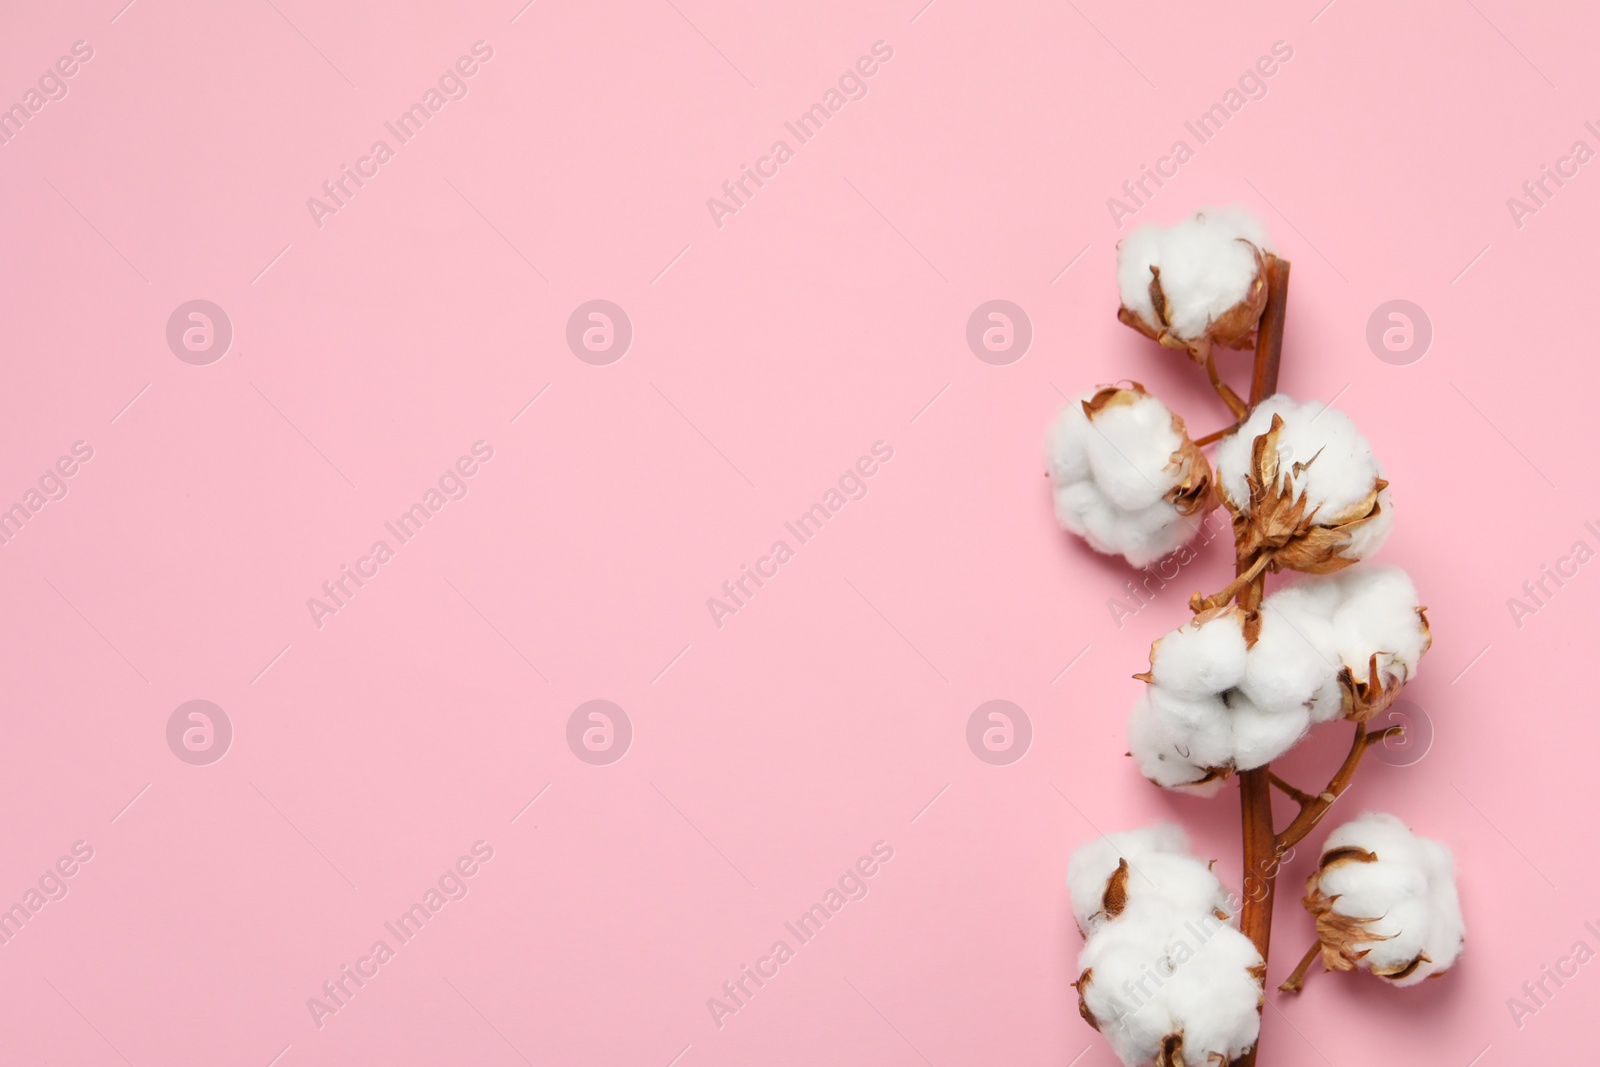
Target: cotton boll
<point>1261,735</point>
<point>1111,965</point>
<point>1232,690</point>
<point>1198,283</point>
<point>1130,459</point>
<point>1385,901</point>
<point>1328,703</point>
<point>1316,497</point>
<point>1374,632</point>
<point>1084,510</point>
<point>1091,865</point>
<point>1205,655</point>
<point>1447,931</point>
<point>1341,466</point>
<point>1217,703</point>
<point>1125,475</point>
<point>1367,537</point>
<point>1379,616</point>
<point>1162,983</point>
<point>1161,749</point>
<point>1124,872</point>
<point>1217,996</point>
<point>1293,661</point>
<point>1200,724</point>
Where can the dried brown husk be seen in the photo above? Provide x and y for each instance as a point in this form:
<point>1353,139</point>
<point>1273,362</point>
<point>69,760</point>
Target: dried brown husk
<point>1234,328</point>
<point>1282,523</point>
<point>1249,624</point>
<point>1171,1051</point>
<point>1196,490</point>
<point>1367,697</point>
<point>1339,934</point>
<point>1082,986</point>
<point>1115,898</point>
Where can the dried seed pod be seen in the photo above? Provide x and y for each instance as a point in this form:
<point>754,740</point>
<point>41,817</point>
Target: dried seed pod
<point>1229,690</point>
<point>1385,901</point>
<point>1129,870</point>
<point>1163,977</point>
<point>1196,284</point>
<point>1172,989</point>
<point>1126,476</point>
<point>1367,623</point>
<point>1303,486</point>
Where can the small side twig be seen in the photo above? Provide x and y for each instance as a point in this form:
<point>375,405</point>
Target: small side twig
<point>1295,981</point>
<point>1311,814</point>
<point>1217,435</point>
<point>1239,408</point>
<point>1248,580</point>
<point>1299,796</point>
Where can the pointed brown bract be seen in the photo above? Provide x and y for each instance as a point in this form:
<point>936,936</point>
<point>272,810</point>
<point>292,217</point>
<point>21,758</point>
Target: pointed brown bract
<point>1158,298</point>
<point>1339,934</point>
<point>1367,697</point>
<point>1115,898</point>
<point>1195,492</point>
<point>1405,970</point>
<point>1234,328</point>
<point>1082,986</point>
<point>1348,854</point>
<point>1282,523</point>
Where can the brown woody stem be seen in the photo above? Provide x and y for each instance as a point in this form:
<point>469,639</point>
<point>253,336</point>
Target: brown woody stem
<point>1269,331</point>
<point>1293,983</point>
<point>1261,850</point>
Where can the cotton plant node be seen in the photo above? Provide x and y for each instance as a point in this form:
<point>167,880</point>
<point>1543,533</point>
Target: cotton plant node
<point>1173,967</point>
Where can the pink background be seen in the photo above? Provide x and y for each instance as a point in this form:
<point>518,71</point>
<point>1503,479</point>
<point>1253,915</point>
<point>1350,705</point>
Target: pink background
<point>768,355</point>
